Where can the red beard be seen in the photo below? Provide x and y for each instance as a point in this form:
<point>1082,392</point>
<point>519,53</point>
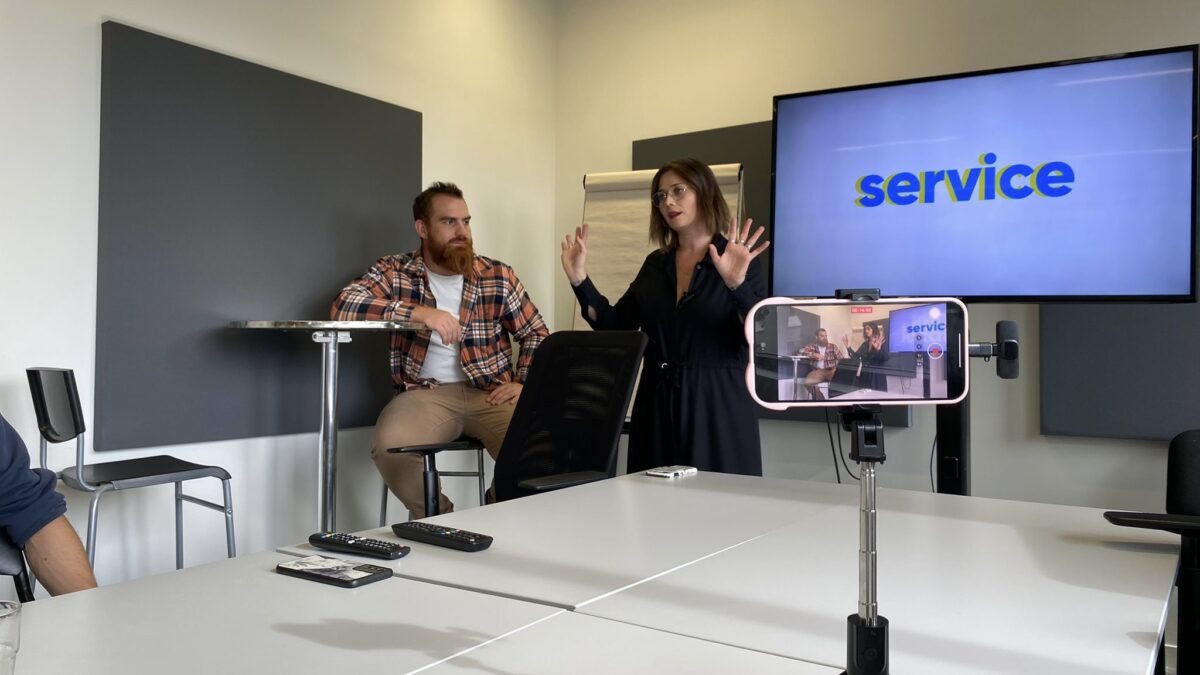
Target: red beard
<point>457,255</point>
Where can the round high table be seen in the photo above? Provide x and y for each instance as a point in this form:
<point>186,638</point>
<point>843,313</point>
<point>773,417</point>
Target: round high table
<point>329,334</point>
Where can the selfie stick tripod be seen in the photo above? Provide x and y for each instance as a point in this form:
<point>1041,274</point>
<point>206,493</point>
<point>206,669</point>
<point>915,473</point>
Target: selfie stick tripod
<point>866,631</point>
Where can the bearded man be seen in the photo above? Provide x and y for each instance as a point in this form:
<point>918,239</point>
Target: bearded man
<point>456,376</point>
<point>823,356</point>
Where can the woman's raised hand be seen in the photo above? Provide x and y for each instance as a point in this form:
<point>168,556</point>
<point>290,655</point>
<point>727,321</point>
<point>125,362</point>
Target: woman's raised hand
<point>733,263</point>
<point>574,255</point>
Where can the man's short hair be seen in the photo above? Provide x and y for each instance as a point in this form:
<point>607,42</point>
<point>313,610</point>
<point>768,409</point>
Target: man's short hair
<point>424,200</point>
<point>819,331</point>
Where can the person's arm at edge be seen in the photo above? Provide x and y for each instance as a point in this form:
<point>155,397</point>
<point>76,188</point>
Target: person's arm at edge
<point>56,557</point>
<point>369,298</point>
<point>31,508</point>
<point>625,315</point>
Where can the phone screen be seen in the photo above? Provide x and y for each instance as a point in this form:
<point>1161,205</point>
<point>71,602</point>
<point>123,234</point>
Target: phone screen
<point>333,570</point>
<point>897,351</point>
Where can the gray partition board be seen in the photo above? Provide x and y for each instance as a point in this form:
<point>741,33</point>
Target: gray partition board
<point>1120,371</point>
<point>750,145</point>
<point>230,191</point>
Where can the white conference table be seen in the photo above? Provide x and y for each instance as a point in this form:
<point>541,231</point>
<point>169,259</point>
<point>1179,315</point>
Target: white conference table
<point>584,645</point>
<point>239,616</point>
<point>969,585</point>
<point>571,547</point>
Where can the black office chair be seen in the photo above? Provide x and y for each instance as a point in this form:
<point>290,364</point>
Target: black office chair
<point>432,475</point>
<point>568,421</point>
<point>60,419</point>
<point>12,563</point>
<point>1182,518</point>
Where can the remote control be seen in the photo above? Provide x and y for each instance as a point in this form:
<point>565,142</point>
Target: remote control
<point>348,543</point>
<point>428,533</point>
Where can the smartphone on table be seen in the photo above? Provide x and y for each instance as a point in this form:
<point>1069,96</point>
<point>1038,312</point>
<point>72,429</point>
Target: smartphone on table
<point>334,571</point>
<point>674,471</point>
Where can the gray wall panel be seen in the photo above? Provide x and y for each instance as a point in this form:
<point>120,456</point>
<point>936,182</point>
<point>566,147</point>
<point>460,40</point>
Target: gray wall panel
<point>1120,371</point>
<point>232,191</point>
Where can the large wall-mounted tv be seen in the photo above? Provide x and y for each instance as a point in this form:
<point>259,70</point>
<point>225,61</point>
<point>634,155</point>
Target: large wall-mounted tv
<point>1064,181</point>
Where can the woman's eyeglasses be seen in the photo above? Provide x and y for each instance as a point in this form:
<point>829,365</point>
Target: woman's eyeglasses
<point>676,192</point>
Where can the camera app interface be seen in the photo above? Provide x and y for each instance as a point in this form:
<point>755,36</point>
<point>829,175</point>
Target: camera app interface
<point>853,352</point>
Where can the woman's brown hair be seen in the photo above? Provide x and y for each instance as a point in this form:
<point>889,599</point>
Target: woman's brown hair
<point>713,211</point>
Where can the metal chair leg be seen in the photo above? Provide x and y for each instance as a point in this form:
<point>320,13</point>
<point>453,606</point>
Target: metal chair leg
<point>383,507</point>
<point>229,540</point>
<point>178,525</point>
<point>482,488</point>
<point>93,521</point>
<point>432,490</point>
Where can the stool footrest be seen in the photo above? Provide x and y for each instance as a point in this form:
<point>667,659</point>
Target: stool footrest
<point>202,502</point>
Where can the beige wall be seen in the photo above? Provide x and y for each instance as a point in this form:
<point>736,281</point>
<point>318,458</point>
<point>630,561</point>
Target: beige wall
<point>520,99</point>
<point>631,70</point>
<point>481,72</point>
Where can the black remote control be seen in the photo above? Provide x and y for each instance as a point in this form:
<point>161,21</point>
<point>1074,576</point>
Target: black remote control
<point>348,543</point>
<point>428,533</point>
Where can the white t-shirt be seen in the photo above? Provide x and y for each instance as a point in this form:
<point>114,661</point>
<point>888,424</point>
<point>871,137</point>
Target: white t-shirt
<point>441,361</point>
<point>822,362</point>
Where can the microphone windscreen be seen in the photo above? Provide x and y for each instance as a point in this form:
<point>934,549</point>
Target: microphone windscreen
<point>1008,365</point>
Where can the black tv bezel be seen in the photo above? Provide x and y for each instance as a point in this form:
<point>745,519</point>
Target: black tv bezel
<point>1190,296</point>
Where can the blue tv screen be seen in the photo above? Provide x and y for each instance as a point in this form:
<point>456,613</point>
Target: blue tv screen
<point>915,329</point>
<point>1072,180</point>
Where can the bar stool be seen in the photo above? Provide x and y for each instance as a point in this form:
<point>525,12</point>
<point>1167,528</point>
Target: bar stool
<point>431,474</point>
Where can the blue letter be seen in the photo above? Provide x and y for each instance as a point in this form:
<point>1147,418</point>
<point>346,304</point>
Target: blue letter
<point>1052,179</point>
<point>960,189</point>
<point>902,189</point>
<point>928,180</point>
<point>1005,182</point>
<point>987,186</point>
<point>869,191</point>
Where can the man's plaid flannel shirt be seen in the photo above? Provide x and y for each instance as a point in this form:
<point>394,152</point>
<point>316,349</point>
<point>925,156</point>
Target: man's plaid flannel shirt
<point>494,305</point>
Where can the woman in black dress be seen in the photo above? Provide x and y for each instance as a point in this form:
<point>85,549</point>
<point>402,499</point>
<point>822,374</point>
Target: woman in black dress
<point>690,299</point>
<point>870,354</point>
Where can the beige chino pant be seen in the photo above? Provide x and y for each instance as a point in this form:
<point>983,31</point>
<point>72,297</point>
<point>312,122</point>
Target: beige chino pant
<point>439,415</point>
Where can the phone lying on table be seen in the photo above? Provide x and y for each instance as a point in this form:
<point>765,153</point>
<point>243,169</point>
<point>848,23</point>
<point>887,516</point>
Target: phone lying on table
<point>892,351</point>
<point>674,471</point>
<point>334,571</point>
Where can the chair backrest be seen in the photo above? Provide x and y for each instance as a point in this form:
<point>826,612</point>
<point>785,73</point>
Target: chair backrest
<point>572,408</point>
<point>1183,474</point>
<point>56,403</point>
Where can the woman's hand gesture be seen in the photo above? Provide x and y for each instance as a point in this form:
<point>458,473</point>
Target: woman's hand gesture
<point>574,255</point>
<point>740,250</point>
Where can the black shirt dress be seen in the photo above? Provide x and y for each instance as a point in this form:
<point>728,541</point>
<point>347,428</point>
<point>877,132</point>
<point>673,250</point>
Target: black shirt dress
<point>692,406</point>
